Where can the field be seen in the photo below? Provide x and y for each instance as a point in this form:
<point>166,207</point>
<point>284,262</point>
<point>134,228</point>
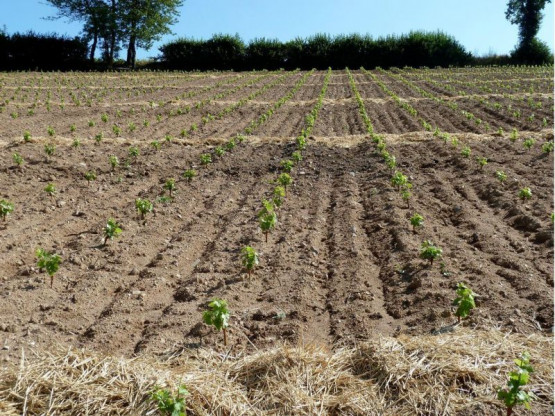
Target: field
<point>342,266</point>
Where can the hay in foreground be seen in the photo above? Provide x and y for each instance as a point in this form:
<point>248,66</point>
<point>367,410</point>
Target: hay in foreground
<point>450,374</point>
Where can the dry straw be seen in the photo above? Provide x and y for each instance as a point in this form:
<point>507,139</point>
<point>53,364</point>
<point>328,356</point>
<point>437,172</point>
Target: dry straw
<point>450,374</point>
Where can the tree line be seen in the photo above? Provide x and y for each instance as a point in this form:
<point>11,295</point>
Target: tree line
<point>111,26</point>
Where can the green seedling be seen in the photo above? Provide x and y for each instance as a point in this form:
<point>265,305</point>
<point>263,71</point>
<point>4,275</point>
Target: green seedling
<point>217,315</point>
<point>205,159</point>
<point>528,143</point>
<point>169,405</point>
<point>155,144</point>
<point>405,193</point>
<point>301,142</point>
<point>49,149</point>
<point>249,259</point>
<point>48,261</point>
<point>482,161</point>
<point>398,180</point>
<point>143,206</point>
<point>91,123</point>
<point>429,251</point>
<point>278,196</point>
<point>501,176</point>
<point>464,301</point>
<point>134,151</point>
<point>416,221</point>
<point>230,145</point>
<point>114,162</point>
<point>17,159</point>
<point>219,151</point>
<point>297,156</point>
<point>146,123</point>
<point>267,218</point>
<point>26,136</point>
<point>189,174</point>
<point>168,138</point>
<point>465,152</point>
<point>116,129</point>
<point>287,165</point>
<point>98,138</point>
<point>514,135</point>
<point>6,208</point>
<point>131,127</point>
<point>525,193</point>
<point>514,395</point>
<point>76,143</point>
<point>104,118</point>
<point>547,147</point>
<point>51,132</point>
<point>90,176</point>
<point>284,179</point>
<point>111,230</point>
<point>50,189</point>
<point>72,128</point>
<point>170,186</point>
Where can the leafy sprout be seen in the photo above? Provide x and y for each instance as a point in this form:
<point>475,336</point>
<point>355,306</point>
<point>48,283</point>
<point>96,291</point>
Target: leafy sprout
<point>111,230</point>
<point>205,159</point>
<point>6,208</point>
<point>287,165</point>
<point>416,221</point>
<point>114,161</point>
<point>464,301</point>
<point>50,189</point>
<point>17,159</point>
<point>90,176</point>
<point>249,259</point>
<point>170,186</point>
<point>189,174</point>
<point>482,161</point>
<point>528,143</point>
<point>284,179</point>
<point>514,395</point>
<point>143,206</point>
<point>429,251</point>
<point>217,315</point>
<point>501,176</point>
<point>525,193</point>
<point>48,261</point>
<point>547,147</point>
<point>267,217</point>
<point>169,405</point>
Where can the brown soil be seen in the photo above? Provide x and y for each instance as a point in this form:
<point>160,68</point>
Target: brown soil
<point>341,267</point>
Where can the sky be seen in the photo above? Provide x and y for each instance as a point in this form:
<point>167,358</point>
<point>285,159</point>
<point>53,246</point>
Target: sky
<point>479,25</point>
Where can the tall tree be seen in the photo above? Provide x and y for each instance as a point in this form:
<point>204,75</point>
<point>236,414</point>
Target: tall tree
<point>527,14</point>
<point>94,13</point>
<point>145,21</point>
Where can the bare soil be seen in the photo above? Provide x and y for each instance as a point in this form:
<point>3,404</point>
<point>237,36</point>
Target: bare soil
<point>343,264</point>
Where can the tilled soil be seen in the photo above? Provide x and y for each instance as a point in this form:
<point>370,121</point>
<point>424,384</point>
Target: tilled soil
<point>343,264</point>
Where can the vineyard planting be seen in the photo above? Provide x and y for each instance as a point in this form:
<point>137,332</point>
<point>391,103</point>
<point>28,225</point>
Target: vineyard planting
<point>145,213</point>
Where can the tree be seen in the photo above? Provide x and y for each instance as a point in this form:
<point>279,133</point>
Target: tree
<point>95,13</point>
<point>527,14</point>
<point>145,21</point>
<point>137,22</point>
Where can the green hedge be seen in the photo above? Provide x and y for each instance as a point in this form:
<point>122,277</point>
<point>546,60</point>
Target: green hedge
<point>319,51</point>
<point>24,51</point>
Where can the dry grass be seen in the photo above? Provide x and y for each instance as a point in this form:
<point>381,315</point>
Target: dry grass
<point>450,374</point>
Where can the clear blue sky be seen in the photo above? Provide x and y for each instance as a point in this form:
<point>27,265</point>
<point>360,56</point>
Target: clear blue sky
<point>479,25</point>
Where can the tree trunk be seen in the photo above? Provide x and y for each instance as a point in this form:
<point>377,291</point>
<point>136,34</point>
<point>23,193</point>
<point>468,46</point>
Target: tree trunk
<point>93,46</point>
<point>132,52</point>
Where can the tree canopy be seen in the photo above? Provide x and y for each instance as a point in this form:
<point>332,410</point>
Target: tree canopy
<point>133,23</point>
